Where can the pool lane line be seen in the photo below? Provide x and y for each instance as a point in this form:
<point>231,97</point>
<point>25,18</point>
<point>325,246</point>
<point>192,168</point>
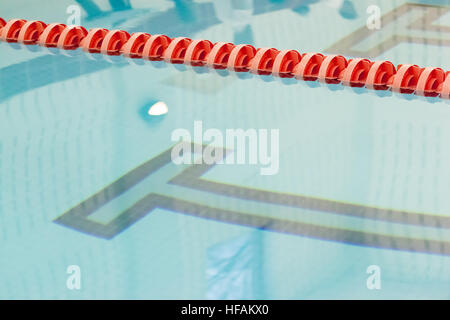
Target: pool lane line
<point>330,70</point>
<point>79,217</point>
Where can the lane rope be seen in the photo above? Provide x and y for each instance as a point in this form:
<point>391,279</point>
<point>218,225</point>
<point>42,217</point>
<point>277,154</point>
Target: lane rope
<point>312,66</point>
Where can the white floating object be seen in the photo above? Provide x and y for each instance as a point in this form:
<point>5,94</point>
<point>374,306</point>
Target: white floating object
<point>158,109</point>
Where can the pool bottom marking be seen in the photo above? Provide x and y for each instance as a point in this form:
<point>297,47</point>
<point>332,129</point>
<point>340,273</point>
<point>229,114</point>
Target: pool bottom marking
<point>418,25</point>
<point>77,218</point>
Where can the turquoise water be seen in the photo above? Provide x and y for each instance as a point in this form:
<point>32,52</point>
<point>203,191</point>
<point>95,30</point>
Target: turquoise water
<point>363,179</point>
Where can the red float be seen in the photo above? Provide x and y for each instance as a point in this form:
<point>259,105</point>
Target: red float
<point>429,82</point>
<point>284,63</point>
<point>262,62</point>
<point>406,78</point>
<point>92,42</point>
<point>134,47</point>
<point>155,47</point>
<point>197,52</point>
<point>10,31</point>
<point>355,75</point>
<point>380,75</point>
<point>71,37</point>
<point>241,57</point>
<point>176,50</point>
<point>331,69</point>
<point>308,68</point>
<point>113,42</point>
<point>219,55</point>
<point>50,36</point>
<point>30,32</point>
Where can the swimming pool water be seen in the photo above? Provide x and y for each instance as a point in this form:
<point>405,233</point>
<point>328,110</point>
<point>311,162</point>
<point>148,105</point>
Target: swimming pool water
<point>363,179</point>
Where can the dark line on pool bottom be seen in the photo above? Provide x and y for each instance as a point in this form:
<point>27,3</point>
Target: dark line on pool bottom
<point>191,178</point>
<point>78,217</point>
<point>154,201</point>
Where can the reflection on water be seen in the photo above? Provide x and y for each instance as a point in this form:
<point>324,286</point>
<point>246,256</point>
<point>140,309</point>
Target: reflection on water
<point>92,9</point>
<point>238,13</point>
<point>235,268</point>
<point>68,130</point>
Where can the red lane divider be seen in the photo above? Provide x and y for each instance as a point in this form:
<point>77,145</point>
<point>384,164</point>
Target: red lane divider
<point>332,69</point>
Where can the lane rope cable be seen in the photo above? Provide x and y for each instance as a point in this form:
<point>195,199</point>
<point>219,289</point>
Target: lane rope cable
<point>312,66</point>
